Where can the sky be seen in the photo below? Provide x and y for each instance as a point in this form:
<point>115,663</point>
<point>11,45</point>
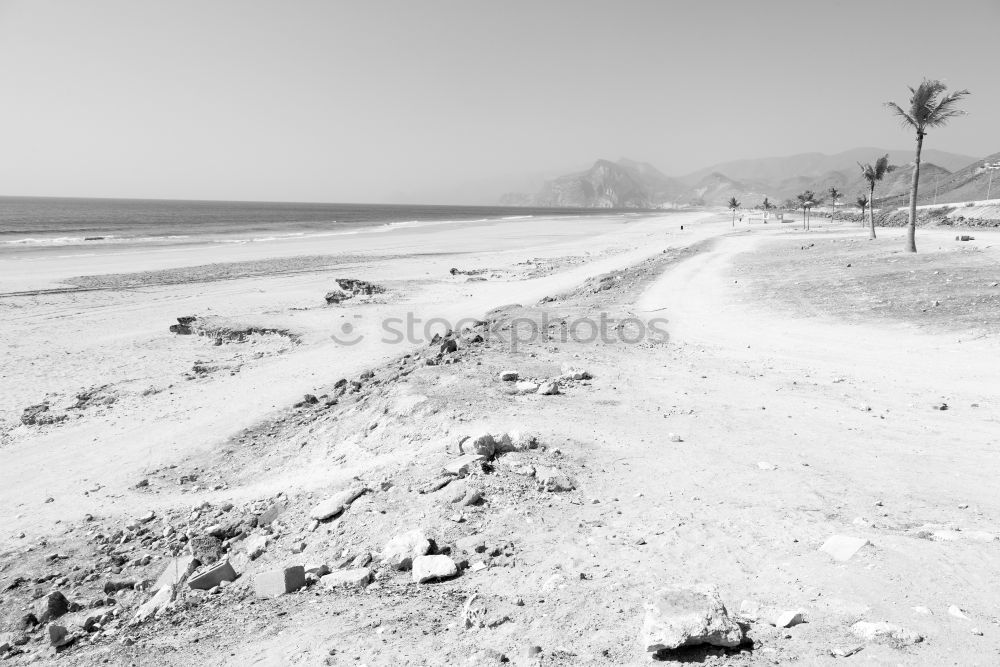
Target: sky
<point>458,101</point>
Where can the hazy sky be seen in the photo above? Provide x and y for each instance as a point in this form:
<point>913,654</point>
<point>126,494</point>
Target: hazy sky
<point>459,100</point>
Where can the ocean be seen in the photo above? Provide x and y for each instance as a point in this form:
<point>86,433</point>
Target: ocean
<point>37,222</point>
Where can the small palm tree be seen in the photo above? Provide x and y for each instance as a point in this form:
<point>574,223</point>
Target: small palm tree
<point>834,196</point>
<point>862,203</point>
<point>733,205</point>
<point>929,107</point>
<point>873,173</point>
<point>806,201</point>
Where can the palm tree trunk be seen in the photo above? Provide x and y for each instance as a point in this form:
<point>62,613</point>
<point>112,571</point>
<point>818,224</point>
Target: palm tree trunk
<point>734,217</point>
<point>911,229</point>
<point>871,212</point>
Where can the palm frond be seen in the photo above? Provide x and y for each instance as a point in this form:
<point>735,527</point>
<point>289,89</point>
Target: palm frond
<point>904,117</point>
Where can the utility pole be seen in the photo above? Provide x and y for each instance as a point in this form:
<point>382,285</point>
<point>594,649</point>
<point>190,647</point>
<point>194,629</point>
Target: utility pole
<point>990,168</point>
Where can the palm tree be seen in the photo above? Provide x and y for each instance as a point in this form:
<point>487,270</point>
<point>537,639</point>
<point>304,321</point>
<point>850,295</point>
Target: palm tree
<point>834,195</point>
<point>806,201</point>
<point>929,107</point>
<point>862,202</point>
<point>733,205</point>
<point>873,173</point>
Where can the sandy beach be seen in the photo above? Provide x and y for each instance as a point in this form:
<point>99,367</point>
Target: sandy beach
<point>798,395</point>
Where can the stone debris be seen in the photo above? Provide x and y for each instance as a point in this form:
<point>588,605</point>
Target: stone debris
<point>336,504</point>
<point>437,484</point>
<point>279,582</point>
<point>355,578</point>
<point>525,387</point>
<point>58,635</point>
<point>481,444</point>
<point>675,438</point>
<point>549,388</point>
<point>463,465</point>
<point>256,545</point>
<point>553,481</point>
<point>955,611</point>
<point>149,608</point>
<point>212,576</point>
<point>764,465</point>
<point>432,568</point>
<point>885,633</point>
<point>508,376</point>
<point>175,572</point>
<point>843,547</point>
<point>400,552</point>
<point>205,548</point>
<point>786,619</point>
<point>679,616</point>
<point>846,652</point>
<point>52,606</point>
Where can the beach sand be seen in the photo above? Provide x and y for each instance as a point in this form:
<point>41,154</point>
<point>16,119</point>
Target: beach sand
<point>789,404</point>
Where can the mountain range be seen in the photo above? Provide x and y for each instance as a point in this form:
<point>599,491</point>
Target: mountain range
<point>944,177</point>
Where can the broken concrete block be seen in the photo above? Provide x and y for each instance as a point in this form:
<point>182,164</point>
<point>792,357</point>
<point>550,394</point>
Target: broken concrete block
<point>278,582</point>
<point>843,547</point>
<point>212,576</point>
<point>431,568</point>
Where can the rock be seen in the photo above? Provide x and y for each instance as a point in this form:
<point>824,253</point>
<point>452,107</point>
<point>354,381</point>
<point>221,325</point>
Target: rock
<point>175,572</point>
<point>508,376</point>
<point>675,438</point>
<point>955,611</point>
<point>437,484</point>
<point>885,633</point>
<point>401,550</point>
<point>481,444</point>
<point>764,465</point>
<point>40,415</point>
<point>449,346</point>
<point>463,465</point>
<point>149,608</point>
<point>271,514</point>
<point>471,497</point>
<point>843,547</point>
<point>334,297</point>
<point>549,388</point>
<point>525,387</point>
<point>683,616</point>
<point>431,568</point>
<point>255,546</point>
<point>473,544</point>
<point>212,576</point>
<point>786,619</point>
<point>205,548</point>
<point>58,635</point>
<point>514,441</point>
<point>351,579</point>
<point>940,406</point>
<point>551,480</point>
<point>278,582</point>
<point>52,606</point>
<point>336,504</point>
